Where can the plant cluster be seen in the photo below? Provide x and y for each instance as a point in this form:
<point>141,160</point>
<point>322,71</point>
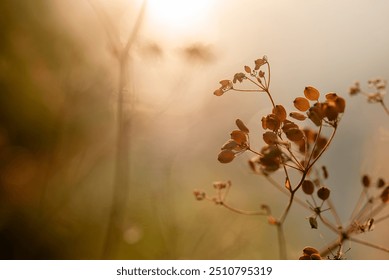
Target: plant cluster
<point>293,143</point>
<point>375,94</point>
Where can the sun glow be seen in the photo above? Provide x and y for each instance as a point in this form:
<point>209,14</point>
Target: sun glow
<point>177,15</point>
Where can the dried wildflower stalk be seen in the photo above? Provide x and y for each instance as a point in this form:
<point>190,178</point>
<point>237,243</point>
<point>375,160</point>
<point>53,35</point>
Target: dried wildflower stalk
<point>375,94</point>
<point>288,148</point>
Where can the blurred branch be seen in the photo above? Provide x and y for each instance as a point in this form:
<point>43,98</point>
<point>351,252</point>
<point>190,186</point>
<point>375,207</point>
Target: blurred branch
<point>122,170</point>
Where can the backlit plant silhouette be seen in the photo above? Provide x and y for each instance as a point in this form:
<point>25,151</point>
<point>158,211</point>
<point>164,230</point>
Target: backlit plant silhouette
<point>293,144</point>
<point>375,95</point>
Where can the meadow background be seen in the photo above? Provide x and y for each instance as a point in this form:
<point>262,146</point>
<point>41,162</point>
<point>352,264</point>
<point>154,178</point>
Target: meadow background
<point>58,104</point>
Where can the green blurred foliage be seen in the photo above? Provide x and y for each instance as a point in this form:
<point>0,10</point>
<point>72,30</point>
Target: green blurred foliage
<point>48,118</point>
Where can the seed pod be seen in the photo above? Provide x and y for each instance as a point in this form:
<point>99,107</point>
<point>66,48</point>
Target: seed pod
<point>226,156</point>
<point>315,114</point>
<point>301,104</point>
<point>280,112</point>
<point>297,116</point>
<point>340,104</point>
<point>289,125</point>
<point>366,181</point>
<point>330,111</point>
<point>229,145</point>
<point>310,250</point>
<point>304,258</point>
<point>331,96</point>
<point>385,195</point>
<point>310,135</point>
<point>269,137</point>
<point>311,93</point>
<point>241,126</point>
<point>313,222</point>
<point>323,193</point>
<point>239,136</point>
<point>199,195</point>
<point>308,187</point>
<point>272,122</point>
<point>294,134</point>
<point>264,123</point>
<point>219,185</point>
<point>325,172</point>
<point>218,92</point>
<point>315,257</point>
<point>380,183</point>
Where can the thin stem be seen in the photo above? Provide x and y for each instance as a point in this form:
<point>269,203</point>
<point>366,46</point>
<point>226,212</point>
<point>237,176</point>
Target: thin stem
<point>247,90</point>
<point>362,211</point>
<point>266,89</point>
<point>324,149</point>
<point>334,212</point>
<point>376,221</point>
<point>270,97</point>
<point>384,106</point>
<point>255,152</point>
<point>242,212</point>
<point>268,70</point>
<point>294,167</point>
<point>338,242</point>
<point>369,244</point>
<point>358,204</point>
<point>295,160</point>
<point>281,241</point>
<point>328,224</point>
<point>255,83</point>
<point>377,210</point>
<point>286,211</point>
<point>283,190</point>
<point>315,144</point>
<point>122,170</point>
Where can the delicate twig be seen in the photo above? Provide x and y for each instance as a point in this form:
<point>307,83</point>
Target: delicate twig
<point>284,191</point>
<point>243,212</point>
<point>369,244</point>
<point>334,212</point>
<point>122,176</point>
<point>281,241</point>
<point>358,204</point>
<point>328,224</point>
<point>324,148</point>
<point>384,106</point>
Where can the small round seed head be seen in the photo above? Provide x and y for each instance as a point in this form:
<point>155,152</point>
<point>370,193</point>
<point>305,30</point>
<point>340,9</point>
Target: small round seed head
<point>366,181</point>
<point>199,195</point>
<point>380,183</point>
<point>323,193</point>
<point>308,187</point>
<point>385,195</point>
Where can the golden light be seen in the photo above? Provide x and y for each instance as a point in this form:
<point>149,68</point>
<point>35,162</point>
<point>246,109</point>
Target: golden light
<point>177,15</point>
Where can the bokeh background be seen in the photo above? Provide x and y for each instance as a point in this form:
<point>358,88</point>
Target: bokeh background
<point>58,122</point>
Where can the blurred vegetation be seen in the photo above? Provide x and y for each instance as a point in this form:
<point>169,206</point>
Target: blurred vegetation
<point>49,118</point>
<point>58,91</point>
<point>57,153</point>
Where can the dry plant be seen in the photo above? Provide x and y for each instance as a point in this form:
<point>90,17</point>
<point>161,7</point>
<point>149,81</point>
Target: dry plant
<point>376,93</point>
<point>293,144</point>
<point>121,53</point>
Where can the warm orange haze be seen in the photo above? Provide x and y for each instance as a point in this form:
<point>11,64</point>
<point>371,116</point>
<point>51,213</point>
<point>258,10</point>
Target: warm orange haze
<point>115,116</point>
